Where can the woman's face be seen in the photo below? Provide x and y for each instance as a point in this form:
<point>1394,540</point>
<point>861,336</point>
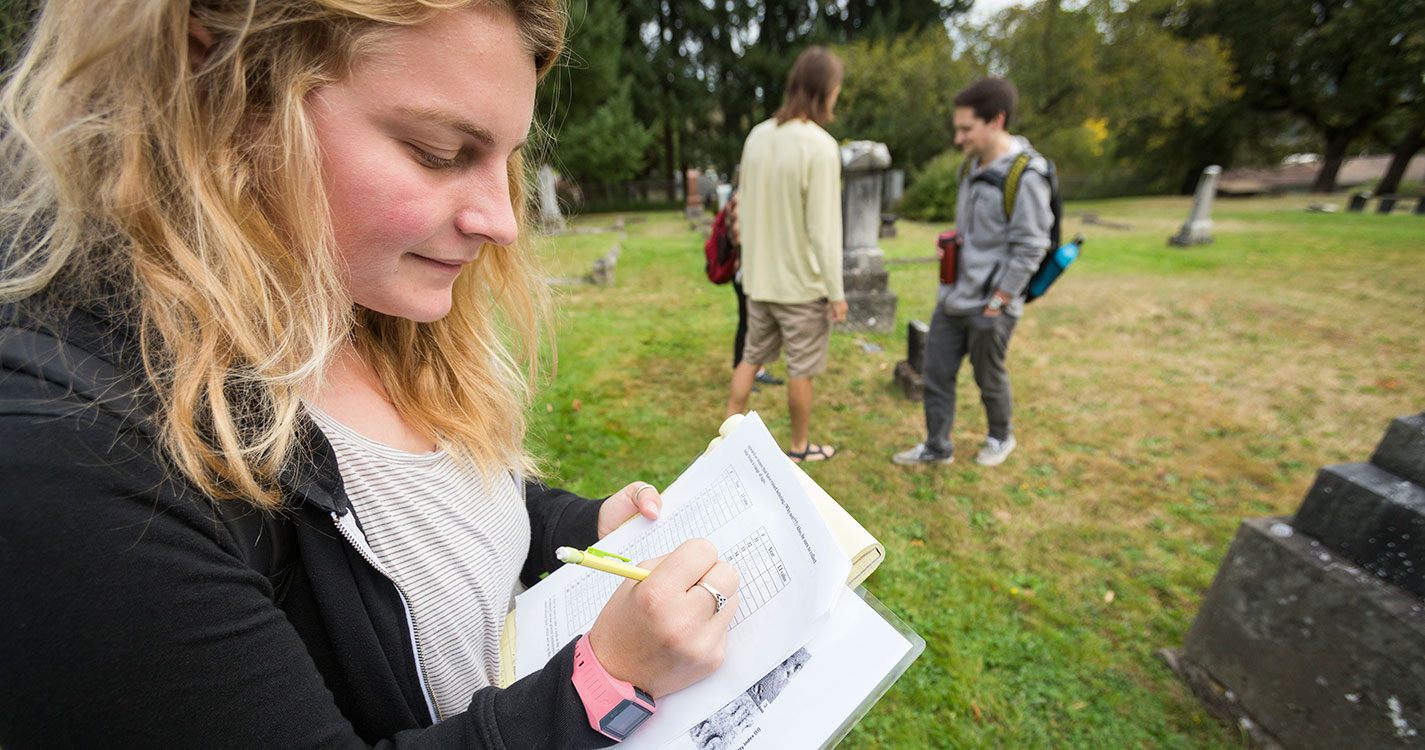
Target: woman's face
<point>415,148</point>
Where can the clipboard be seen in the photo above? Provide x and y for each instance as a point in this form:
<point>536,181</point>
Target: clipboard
<point>917,646</point>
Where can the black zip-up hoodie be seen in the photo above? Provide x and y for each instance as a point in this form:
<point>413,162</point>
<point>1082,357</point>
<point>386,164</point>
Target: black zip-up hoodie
<point>130,617</point>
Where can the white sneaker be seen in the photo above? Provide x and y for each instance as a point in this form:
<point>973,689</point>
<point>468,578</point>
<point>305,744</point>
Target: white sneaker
<point>921,455</point>
<point>996,451</point>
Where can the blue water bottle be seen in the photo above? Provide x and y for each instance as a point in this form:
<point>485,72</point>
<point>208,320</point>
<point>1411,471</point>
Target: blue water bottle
<point>1052,267</point>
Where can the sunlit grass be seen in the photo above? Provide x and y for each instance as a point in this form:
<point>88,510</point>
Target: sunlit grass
<point>1162,395</point>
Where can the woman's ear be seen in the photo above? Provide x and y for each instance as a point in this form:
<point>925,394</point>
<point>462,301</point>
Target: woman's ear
<point>200,42</point>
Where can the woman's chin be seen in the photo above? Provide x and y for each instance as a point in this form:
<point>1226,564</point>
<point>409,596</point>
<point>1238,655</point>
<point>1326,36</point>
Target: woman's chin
<point>427,310</point>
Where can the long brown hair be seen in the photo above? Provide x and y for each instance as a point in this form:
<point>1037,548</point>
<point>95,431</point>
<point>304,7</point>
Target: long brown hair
<point>815,76</point>
<point>197,191</point>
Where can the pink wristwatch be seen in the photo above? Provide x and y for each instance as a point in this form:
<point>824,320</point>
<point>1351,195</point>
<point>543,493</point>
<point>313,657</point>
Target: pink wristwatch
<point>615,707</point>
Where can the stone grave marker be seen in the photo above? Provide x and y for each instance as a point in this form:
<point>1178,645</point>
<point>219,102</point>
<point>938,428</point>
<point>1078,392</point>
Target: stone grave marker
<point>1197,230</point>
<point>1312,636</point>
<point>891,194</point>
<point>870,302</point>
<point>693,197</point>
<point>909,374</point>
<point>549,214</point>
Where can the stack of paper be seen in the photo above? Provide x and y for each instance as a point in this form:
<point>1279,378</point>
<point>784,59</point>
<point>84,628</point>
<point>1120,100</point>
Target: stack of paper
<point>799,638</point>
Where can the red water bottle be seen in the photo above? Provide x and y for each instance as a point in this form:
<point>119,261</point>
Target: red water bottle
<point>949,243</point>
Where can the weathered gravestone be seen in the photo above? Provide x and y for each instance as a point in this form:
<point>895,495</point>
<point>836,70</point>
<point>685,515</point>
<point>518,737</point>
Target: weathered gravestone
<point>1312,636</point>
<point>891,194</point>
<point>1197,230</point>
<point>549,215</point>
<point>910,372</point>
<point>871,306</point>
<point>693,197</point>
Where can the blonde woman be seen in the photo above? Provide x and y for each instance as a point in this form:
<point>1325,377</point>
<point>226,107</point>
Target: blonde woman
<point>263,260</point>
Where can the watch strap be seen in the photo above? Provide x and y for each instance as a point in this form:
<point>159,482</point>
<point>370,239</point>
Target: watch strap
<point>615,707</point>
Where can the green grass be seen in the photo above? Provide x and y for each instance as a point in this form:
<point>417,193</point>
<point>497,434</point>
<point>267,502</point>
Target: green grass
<point>1162,395</point>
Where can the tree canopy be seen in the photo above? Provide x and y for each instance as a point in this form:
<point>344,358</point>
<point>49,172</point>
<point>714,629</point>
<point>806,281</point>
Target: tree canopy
<point>1339,66</point>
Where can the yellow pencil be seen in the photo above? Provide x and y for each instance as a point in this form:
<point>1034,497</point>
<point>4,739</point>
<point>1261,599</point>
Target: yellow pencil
<point>597,560</point>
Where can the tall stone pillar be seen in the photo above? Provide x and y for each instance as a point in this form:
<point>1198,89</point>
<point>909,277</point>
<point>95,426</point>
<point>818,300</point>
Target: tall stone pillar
<point>549,214</point>
<point>870,302</point>
<point>693,203</point>
<point>1197,230</point>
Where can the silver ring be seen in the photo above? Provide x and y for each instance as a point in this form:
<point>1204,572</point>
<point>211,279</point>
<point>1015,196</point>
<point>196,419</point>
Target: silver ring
<point>640,492</point>
<point>721,600</point>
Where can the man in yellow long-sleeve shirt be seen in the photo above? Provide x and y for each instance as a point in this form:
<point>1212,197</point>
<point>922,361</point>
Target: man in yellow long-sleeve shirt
<point>789,215</point>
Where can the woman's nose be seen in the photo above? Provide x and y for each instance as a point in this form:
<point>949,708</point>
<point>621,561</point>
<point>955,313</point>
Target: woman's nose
<point>487,213</point>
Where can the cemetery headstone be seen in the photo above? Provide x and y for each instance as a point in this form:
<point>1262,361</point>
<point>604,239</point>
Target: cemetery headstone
<point>549,214</point>
<point>1387,204</point>
<point>1358,202</point>
<point>1312,635</point>
<point>910,372</point>
<point>1197,230</point>
<point>693,203</point>
<point>891,193</point>
<point>871,306</point>
<point>894,188</point>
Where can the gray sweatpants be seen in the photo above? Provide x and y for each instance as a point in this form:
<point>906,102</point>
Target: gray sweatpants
<point>986,341</point>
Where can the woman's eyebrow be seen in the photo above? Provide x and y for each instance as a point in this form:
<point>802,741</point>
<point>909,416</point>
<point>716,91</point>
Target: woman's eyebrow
<point>480,134</point>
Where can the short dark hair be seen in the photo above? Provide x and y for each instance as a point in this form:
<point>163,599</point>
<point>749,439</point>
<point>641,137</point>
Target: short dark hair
<point>816,73</point>
<point>989,97</point>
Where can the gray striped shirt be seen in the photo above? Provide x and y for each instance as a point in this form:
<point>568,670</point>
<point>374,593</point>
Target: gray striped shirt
<point>452,543</point>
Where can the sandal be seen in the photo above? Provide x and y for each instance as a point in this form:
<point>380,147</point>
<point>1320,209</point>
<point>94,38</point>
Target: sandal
<point>812,453</point>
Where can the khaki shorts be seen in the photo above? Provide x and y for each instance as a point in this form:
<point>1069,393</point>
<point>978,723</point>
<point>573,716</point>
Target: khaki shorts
<point>804,328</point>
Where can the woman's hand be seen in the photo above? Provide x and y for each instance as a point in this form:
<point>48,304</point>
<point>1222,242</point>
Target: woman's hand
<point>667,632</point>
<point>638,497</point>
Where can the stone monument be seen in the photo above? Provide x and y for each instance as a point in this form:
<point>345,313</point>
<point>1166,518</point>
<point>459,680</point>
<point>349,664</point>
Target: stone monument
<point>693,202</point>
<point>891,194</point>
<point>549,215</point>
<point>1197,230</point>
<point>910,372</point>
<point>870,302</point>
<point>1312,636</point>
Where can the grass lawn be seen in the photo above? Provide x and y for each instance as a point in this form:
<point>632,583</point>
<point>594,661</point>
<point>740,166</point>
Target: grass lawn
<point>1162,395</point>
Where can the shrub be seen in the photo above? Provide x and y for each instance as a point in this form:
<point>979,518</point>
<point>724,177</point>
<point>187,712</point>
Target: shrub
<point>932,191</point>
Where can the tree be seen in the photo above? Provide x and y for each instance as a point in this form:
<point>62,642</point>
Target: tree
<point>1103,82</point>
<point>1336,64</point>
<point>898,91</point>
<point>706,72</point>
<point>1407,124</point>
<point>587,105</point>
<point>1400,158</point>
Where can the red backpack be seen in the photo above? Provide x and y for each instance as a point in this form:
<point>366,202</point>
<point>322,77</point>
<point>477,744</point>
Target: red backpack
<point>721,254</point>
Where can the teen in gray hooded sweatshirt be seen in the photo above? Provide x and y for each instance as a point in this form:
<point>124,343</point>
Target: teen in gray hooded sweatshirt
<point>975,315</point>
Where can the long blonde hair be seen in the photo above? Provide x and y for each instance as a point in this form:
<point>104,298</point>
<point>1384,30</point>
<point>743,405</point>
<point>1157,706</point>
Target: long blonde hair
<point>197,193</point>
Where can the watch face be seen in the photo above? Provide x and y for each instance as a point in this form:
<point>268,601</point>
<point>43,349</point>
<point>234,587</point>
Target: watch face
<point>623,719</point>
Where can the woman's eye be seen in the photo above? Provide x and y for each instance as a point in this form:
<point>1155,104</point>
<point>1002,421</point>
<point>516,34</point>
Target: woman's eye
<point>433,161</point>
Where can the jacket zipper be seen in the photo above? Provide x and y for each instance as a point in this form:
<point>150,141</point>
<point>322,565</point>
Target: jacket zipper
<point>346,525</point>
